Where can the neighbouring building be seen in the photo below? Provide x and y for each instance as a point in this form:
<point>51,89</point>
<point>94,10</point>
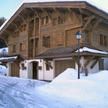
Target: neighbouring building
<point>41,39</point>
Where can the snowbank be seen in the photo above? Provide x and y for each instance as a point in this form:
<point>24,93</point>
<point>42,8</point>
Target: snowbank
<point>88,92</point>
<point>3,70</point>
<point>65,91</point>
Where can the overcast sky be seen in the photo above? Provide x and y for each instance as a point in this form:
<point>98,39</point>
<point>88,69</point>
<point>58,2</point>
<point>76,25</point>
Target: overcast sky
<point>8,7</point>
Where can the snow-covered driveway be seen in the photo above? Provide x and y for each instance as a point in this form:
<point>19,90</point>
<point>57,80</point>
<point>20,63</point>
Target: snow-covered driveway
<point>65,91</point>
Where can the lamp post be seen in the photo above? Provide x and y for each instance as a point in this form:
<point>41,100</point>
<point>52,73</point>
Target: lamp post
<point>78,37</point>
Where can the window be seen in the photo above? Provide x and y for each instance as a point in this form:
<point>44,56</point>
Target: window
<point>45,20</point>
<point>22,46</point>
<point>60,20</point>
<point>46,42</point>
<point>31,28</point>
<point>47,67</point>
<point>57,20</point>
<point>14,48</point>
<point>103,40</point>
<point>37,26</point>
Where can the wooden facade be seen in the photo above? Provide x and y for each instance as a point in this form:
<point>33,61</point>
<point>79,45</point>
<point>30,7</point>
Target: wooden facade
<point>38,27</point>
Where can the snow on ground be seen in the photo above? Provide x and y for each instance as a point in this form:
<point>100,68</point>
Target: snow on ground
<point>2,70</point>
<point>65,91</point>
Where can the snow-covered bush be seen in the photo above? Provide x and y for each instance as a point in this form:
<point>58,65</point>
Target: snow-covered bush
<point>3,51</point>
<point>2,70</point>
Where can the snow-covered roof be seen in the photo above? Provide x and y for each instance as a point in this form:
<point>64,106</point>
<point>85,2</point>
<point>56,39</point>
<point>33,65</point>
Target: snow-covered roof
<point>85,49</point>
<point>8,58</point>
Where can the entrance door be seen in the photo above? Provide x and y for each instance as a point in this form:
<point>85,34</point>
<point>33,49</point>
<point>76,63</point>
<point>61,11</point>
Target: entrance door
<point>35,70</point>
<point>62,65</point>
<point>15,69</point>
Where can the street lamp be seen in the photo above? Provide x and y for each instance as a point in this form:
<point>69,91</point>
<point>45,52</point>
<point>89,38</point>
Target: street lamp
<point>78,37</point>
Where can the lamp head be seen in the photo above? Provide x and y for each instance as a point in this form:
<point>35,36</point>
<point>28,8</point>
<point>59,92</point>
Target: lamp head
<point>78,35</point>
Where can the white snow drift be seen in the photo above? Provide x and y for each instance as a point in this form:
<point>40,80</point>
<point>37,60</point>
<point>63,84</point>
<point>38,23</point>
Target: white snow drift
<point>65,91</point>
<point>3,70</point>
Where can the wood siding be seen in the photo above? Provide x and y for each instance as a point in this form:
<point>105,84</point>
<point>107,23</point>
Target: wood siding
<point>61,66</point>
<point>60,25</point>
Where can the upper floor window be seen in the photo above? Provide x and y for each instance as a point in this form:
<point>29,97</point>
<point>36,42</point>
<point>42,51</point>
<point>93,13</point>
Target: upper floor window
<point>46,41</point>
<point>31,27</point>
<point>57,20</point>
<point>45,20</point>
<point>22,46</point>
<point>14,48</point>
<point>103,40</point>
<point>23,28</point>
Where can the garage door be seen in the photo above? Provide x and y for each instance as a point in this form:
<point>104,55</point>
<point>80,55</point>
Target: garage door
<point>62,65</point>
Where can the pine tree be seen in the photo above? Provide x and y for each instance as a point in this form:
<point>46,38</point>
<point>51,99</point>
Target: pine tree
<point>2,43</point>
<point>2,20</point>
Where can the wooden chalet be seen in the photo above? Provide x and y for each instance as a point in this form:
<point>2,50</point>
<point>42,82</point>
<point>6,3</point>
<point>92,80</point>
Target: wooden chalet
<point>43,34</point>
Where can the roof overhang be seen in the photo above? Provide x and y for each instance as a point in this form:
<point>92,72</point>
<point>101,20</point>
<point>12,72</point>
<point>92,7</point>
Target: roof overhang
<point>6,59</point>
<point>70,52</point>
<point>57,4</point>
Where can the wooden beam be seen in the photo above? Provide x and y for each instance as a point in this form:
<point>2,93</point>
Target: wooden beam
<point>36,13</point>
<point>96,24</point>
<point>88,61</point>
<point>94,63</point>
<point>14,24</point>
<point>22,18</point>
<point>81,11</point>
<point>70,13</point>
<point>88,22</point>
<point>7,32</point>
<point>47,13</point>
<point>49,64</point>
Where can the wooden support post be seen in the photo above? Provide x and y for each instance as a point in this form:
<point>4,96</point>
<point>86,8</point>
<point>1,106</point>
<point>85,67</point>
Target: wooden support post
<point>48,64</point>
<point>94,63</point>
<point>88,61</point>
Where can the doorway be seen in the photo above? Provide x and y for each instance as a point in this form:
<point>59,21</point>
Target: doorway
<point>35,70</point>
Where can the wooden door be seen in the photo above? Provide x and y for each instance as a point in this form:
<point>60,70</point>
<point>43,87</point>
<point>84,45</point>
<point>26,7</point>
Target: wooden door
<point>61,66</point>
<point>15,69</point>
<point>35,70</point>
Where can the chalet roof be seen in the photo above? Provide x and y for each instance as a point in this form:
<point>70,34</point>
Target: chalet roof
<point>54,4</point>
<point>71,51</point>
